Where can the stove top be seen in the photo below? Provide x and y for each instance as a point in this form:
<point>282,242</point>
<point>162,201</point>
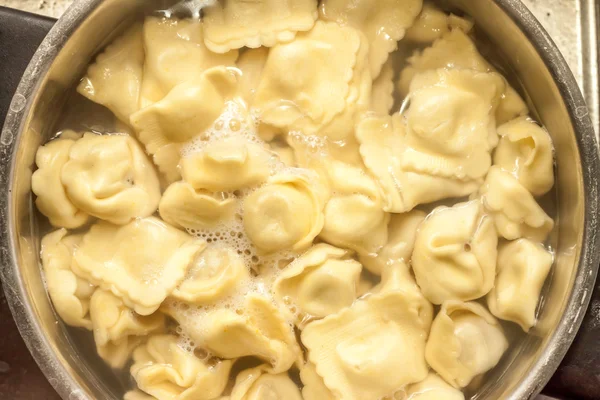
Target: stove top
<point>571,22</point>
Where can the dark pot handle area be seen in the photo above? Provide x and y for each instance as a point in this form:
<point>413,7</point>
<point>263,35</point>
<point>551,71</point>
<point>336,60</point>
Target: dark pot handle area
<point>578,377</point>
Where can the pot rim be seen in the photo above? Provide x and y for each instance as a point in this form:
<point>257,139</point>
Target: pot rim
<point>541,370</point>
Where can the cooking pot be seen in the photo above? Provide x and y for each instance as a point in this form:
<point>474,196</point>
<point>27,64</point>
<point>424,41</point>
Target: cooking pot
<point>67,357</point>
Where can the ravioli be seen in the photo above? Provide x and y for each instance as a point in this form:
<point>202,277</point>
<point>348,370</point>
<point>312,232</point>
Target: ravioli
<point>69,293</point>
<point>110,177</point>
<point>114,80</point>
<point>433,388</point>
<point>259,384</point>
<point>523,266</point>
<point>117,328</point>
<point>525,150</point>
<point>454,257</point>
<point>52,199</point>
<point>433,23</point>
<point>356,351</point>
<point>237,23</point>
<point>164,370</point>
<point>287,213</point>
<point>382,98</point>
<point>515,212</point>
<point>320,282</point>
<point>314,388</point>
<point>465,341</point>
<point>384,22</point>
<point>141,262</point>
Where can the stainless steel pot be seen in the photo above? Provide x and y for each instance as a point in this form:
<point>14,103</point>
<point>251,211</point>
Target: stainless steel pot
<point>69,361</point>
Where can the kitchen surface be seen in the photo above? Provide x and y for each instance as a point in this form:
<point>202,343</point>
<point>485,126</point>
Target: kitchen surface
<point>571,23</point>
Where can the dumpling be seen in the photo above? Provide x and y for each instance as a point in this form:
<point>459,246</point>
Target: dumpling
<point>303,87</point>
<point>433,23</point>
<point>384,22</point>
<point>354,216</point>
<point>382,92</point>
<point>52,199</point>
<point>70,294</point>
<point>454,257</point>
<point>237,23</point>
<point>166,371</point>
<point>514,210</point>
<point>402,231</point>
<point>457,51</point>
<point>251,63</point>
<point>114,80</point>
<point>371,349</point>
<point>320,282</point>
<point>382,142</point>
<point>111,178</point>
<point>259,384</point>
<point>184,207</point>
<point>314,388</point>
<point>141,262</point>
<point>117,328</point>
<point>433,388</point>
<point>226,165</point>
<point>465,341</point>
<point>526,151</point>
<point>185,112</point>
<point>256,329</point>
<point>175,53</point>
<point>217,272</point>
<point>522,269</point>
<point>287,213</point>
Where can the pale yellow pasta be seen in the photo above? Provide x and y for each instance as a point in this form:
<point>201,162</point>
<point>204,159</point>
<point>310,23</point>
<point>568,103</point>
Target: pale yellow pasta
<point>141,262</point>
<point>52,198</point>
<point>110,177</point>
<point>433,23</point>
<point>382,93</point>
<point>465,341</point>
<point>114,80</point>
<point>260,384</point>
<point>523,266</point>
<point>117,328</point>
<point>238,23</point>
<point>515,212</point>
<point>314,387</point>
<point>251,63</point>
<point>433,388</point>
<point>166,371</point>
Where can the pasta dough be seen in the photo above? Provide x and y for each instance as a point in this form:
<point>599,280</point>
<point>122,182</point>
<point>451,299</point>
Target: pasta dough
<point>251,63</point>
<point>164,370</point>
<point>465,341</point>
<point>433,388</point>
<point>258,384</point>
<point>455,253</point>
<point>314,387</point>
<point>110,177</point>
<point>321,282</point>
<point>142,277</point>
<point>433,23</point>
<point>238,23</point>
<point>516,213</point>
<point>526,151</point>
<point>382,98</point>
<point>522,269</point>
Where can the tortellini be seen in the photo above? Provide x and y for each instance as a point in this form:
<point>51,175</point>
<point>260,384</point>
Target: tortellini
<point>110,177</point>
<point>115,78</point>
<point>384,22</point>
<point>216,273</point>
<point>402,231</point>
<point>515,212</point>
<point>357,351</point>
<point>525,150</point>
<point>522,269</point>
<point>259,384</point>
<point>287,213</point>
<point>320,282</point>
<point>354,217</point>
<point>69,293</point>
<point>454,257</point>
<point>433,388</point>
<point>166,371</point>
<point>117,328</point>
<point>141,262</point>
<point>238,23</point>
<point>184,207</point>
<point>226,165</point>
<point>52,199</point>
<point>465,341</point>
